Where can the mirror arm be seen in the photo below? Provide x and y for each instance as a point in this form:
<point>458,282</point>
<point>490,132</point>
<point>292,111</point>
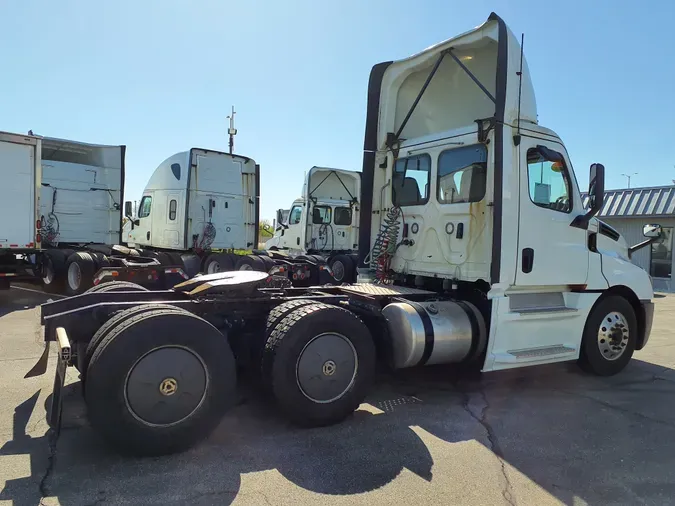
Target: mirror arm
<point>640,245</point>
<point>582,220</point>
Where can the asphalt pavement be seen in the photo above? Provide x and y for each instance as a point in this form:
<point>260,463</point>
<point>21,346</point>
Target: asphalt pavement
<point>535,436</point>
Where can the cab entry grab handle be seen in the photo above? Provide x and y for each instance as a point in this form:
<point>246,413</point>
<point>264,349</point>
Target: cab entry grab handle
<point>528,259</point>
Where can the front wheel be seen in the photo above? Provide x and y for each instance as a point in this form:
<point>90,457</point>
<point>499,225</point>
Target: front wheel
<point>609,337</point>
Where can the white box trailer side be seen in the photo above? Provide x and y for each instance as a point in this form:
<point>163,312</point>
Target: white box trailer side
<point>19,192</point>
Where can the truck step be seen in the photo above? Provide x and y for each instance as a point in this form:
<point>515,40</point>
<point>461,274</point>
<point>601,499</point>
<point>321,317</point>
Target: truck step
<point>547,309</point>
<point>535,354</point>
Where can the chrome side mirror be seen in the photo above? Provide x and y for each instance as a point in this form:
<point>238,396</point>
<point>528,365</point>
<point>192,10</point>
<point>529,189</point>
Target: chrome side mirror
<point>652,230</point>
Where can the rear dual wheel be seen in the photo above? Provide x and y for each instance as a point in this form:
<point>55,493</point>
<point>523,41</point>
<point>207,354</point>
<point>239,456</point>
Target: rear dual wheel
<point>318,362</point>
<point>218,262</point>
<point>153,389</point>
<point>80,269</point>
<point>262,263</point>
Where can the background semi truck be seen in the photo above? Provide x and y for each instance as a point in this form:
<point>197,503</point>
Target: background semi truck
<point>323,223</point>
<point>61,218</point>
<point>199,205</point>
<point>475,249</point>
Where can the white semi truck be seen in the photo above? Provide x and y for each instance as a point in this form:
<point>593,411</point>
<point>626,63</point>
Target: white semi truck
<point>61,218</point>
<point>322,225</point>
<point>199,204</point>
<point>475,248</point>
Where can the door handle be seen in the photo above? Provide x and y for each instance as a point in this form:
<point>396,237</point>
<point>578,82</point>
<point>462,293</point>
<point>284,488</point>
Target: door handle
<point>528,259</point>
<point>148,235</point>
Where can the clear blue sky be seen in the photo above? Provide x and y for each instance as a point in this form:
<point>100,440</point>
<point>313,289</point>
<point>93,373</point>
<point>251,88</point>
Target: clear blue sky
<point>160,76</point>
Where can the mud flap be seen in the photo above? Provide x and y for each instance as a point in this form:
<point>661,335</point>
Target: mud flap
<point>41,366</point>
<point>54,415</point>
<point>65,355</point>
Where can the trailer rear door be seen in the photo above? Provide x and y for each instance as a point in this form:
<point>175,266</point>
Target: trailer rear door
<point>17,192</point>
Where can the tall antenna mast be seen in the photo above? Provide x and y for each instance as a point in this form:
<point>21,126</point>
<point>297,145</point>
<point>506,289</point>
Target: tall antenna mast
<point>232,131</point>
<point>520,76</point>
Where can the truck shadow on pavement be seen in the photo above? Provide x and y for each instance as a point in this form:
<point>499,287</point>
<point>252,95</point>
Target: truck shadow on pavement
<point>19,299</point>
<point>602,440</point>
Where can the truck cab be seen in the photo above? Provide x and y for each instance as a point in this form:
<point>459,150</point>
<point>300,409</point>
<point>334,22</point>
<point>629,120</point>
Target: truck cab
<point>468,193</point>
<point>325,218</point>
<point>199,200</point>
<point>324,221</point>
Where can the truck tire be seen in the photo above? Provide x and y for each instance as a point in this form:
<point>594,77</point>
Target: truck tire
<point>100,260</point>
<point>218,262</point>
<point>53,270</point>
<point>117,286</point>
<point>609,336</point>
<point>320,363</point>
<point>80,270</point>
<point>158,348</point>
<point>318,259</point>
<point>269,263</point>
<point>116,319</point>
<point>250,263</point>
<point>176,259</point>
<point>343,268</point>
<point>273,318</point>
<point>163,258</point>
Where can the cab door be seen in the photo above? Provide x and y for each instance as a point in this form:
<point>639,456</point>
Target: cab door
<point>142,225</point>
<point>540,319</point>
<point>553,252</point>
<point>291,236</point>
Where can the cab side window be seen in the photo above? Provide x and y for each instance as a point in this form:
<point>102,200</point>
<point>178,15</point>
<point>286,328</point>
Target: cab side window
<point>410,182</point>
<point>144,208</point>
<point>172,210</point>
<point>295,215</point>
<point>321,215</point>
<point>548,180</point>
<point>343,216</point>
<point>462,174</point>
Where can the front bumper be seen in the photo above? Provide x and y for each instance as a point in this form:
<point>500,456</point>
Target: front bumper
<point>648,313</point>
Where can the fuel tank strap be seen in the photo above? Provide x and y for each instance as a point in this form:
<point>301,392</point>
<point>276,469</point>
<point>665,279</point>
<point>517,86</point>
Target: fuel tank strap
<point>428,331</point>
<point>475,328</point>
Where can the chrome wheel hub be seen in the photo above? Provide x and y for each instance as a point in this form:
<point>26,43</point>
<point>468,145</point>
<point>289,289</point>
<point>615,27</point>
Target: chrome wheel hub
<point>74,276</point>
<point>613,336</point>
<point>338,269</point>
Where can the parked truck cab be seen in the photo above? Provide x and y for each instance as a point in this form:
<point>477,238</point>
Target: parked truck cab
<point>324,221</point>
<point>199,200</point>
<point>470,195</point>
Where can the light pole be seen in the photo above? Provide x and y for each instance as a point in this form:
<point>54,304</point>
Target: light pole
<point>629,176</point>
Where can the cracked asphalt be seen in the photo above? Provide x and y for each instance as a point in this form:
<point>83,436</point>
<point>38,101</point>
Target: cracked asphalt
<point>545,435</point>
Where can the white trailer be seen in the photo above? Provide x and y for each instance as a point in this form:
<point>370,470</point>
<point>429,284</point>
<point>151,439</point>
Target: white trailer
<point>475,249</point>
<point>323,223</point>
